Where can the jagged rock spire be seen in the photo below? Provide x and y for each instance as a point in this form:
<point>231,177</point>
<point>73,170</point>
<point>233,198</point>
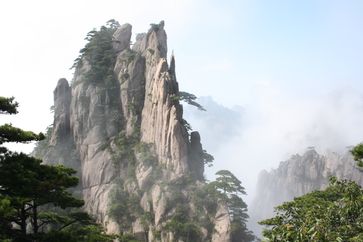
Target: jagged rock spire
<point>62,101</point>
<point>128,133</point>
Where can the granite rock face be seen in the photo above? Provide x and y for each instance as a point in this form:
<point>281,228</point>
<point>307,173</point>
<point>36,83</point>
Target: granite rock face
<point>297,176</point>
<point>126,138</point>
<point>222,225</point>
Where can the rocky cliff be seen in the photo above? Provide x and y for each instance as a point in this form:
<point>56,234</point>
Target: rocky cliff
<point>297,176</point>
<point>121,126</point>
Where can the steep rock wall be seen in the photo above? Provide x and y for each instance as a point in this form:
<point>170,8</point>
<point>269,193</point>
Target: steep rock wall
<point>124,134</point>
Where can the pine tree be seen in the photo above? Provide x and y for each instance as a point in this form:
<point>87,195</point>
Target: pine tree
<point>231,189</point>
<point>32,194</point>
<point>357,153</point>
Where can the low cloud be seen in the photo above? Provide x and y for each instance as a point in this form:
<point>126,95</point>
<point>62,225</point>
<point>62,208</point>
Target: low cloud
<point>260,135</point>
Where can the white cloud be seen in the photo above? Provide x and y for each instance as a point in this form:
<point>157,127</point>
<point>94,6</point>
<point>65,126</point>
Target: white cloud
<point>40,39</point>
<point>277,126</point>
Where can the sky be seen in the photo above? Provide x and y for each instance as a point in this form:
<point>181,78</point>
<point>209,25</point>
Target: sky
<point>289,73</point>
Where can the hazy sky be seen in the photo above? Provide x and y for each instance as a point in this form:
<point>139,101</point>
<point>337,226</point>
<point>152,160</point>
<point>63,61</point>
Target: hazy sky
<point>295,67</point>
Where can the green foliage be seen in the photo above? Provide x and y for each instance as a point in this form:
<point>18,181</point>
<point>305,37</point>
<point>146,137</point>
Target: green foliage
<point>42,145</point>
<point>206,197</point>
<point>99,53</point>
<point>228,183</point>
<point>6,212</point>
<point>334,214</point>
<point>28,189</point>
<point>226,189</point>
<point>238,212</point>
<point>147,218</point>
<point>8,106</point>
<point>124,147</point>
<point>127,146</point>
<point>126,58</point>
<point>190,99</point>
<point>77,233</point>
<point>29,185</point>
<point>186,222</point>
<point>207,158</point>
<point>157,234</point>
<point>8,133</point>
<point>187,126</point>
<point>176,196</point>
<point>26,178</point>
<point>131,108</point>
<point>71,226</point>
<point>146,155</point>
<point>129,55</point>
<point>357,153</point>
<point>182,226</point>
<point>229,190</point>
<point>123,206</point>
<point>127,238</point>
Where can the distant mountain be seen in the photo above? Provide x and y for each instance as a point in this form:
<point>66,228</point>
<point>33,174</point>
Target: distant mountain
<point>297,176</point>
<point>218,125</point>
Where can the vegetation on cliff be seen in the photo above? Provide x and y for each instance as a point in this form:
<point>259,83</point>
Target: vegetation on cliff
<point>34,196</point>
<point>357,153</point>
<point>99,54</point>
<point>230,190</point>
<point>142,167</point>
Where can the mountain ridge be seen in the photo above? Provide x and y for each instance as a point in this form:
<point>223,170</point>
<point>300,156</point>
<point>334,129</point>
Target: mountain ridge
<point>301,174</point>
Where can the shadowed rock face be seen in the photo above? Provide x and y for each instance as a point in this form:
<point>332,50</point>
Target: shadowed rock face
<point>196,153</point>
<point>130,129</point>
<point>62,100</point>
<point>297,176</point>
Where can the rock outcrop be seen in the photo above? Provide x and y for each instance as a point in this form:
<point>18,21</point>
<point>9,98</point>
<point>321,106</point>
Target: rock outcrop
<point>120,125</point>
<point>297,176</point>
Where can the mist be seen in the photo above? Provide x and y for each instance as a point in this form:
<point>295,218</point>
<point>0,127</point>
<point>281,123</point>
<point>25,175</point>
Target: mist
<point>247,139</point>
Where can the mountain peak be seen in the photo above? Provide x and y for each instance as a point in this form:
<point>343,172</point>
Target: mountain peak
<point>123,126</point>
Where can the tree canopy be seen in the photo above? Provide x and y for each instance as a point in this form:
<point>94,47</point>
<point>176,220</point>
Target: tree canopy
<point>99,54</point>
<point>7,105</point>
<point>190,99</point>
<point>334,214</point>
<point>33,195</point>
<point>230,190</point>
<point>357,153</point>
